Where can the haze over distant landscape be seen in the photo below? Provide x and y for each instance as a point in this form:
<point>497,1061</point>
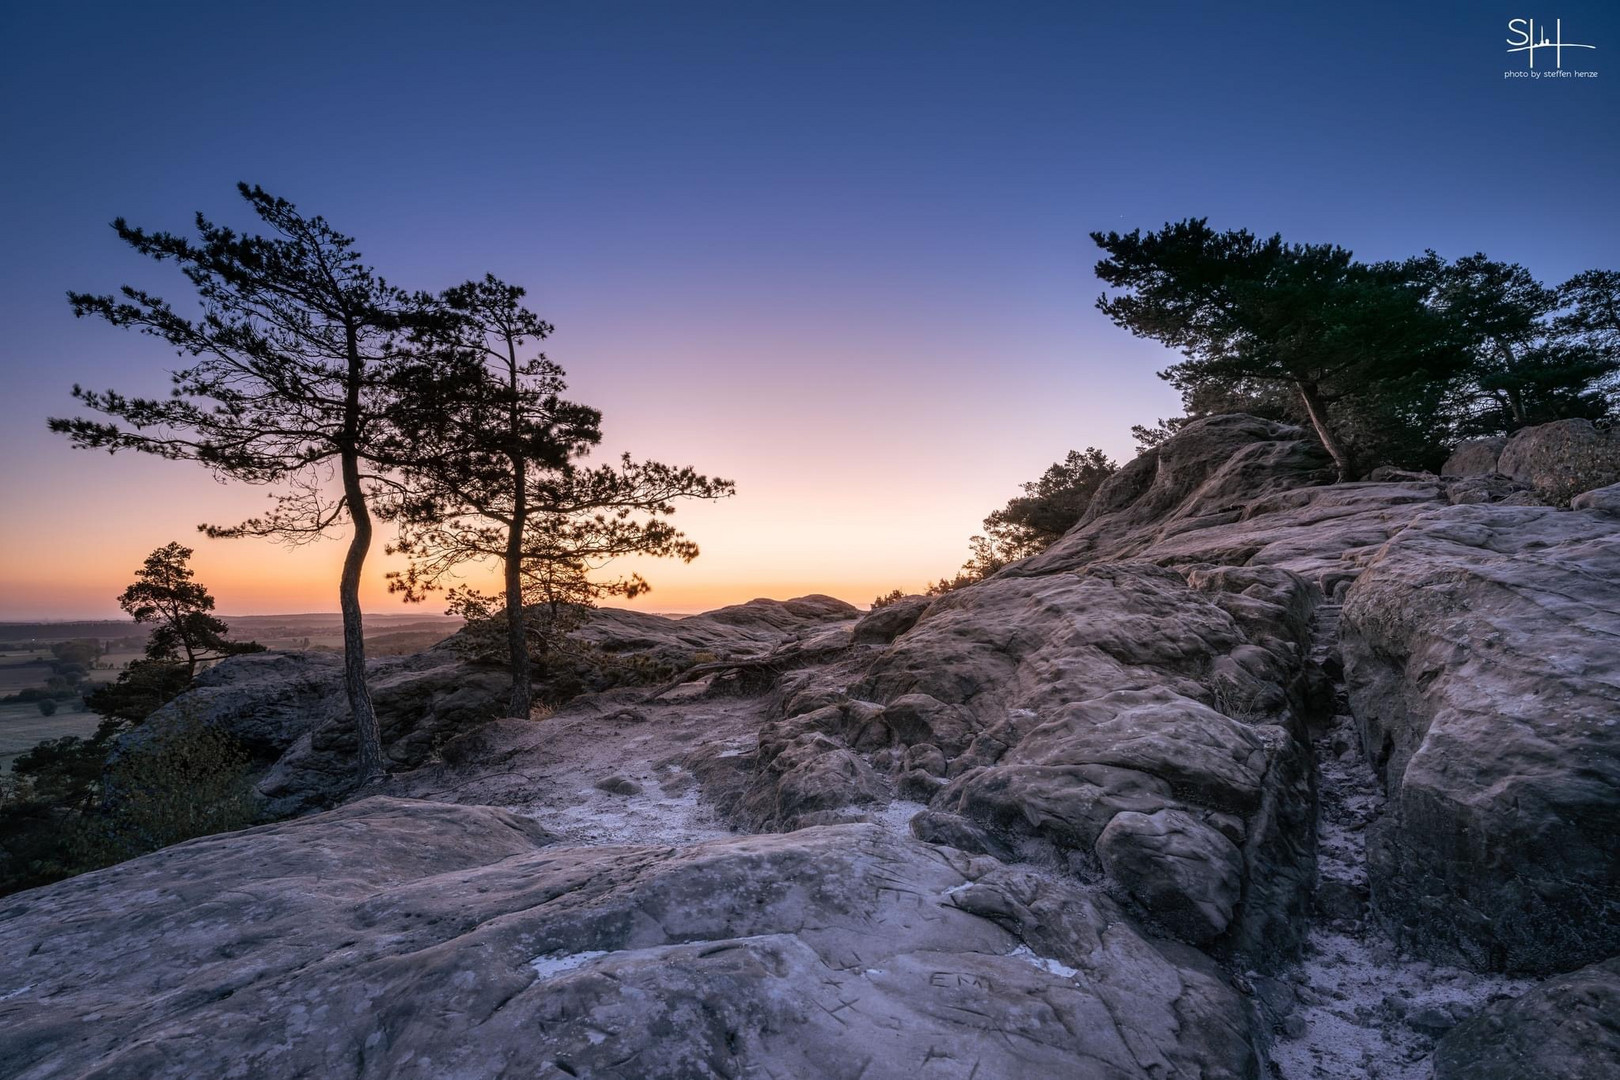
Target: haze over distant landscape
<point>839,256</point>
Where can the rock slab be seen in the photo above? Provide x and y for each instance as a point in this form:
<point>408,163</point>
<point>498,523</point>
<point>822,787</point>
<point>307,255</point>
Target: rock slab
<point>394,938</point>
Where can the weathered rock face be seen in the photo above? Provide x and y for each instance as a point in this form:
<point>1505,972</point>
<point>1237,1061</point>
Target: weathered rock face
<point>290,710</point>
<point>1562,459</point>
<point>751,629</point>
<point>884,624</point>
<point>1062,705</point>
<point>1477,457</point>
<point>1568,1028</point>
<point>1605,500</point>
<point>1152,664</point>
<point>401,939</point>
<point>1482,655</point>
<point>1027,813</point>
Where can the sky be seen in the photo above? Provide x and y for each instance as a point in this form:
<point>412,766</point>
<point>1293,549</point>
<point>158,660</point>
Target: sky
<point>837,252</point>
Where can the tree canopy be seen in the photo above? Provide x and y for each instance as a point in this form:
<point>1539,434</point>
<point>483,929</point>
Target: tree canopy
<point>166,595</point>
<point>1390,362</point>
<point>294,361</point>
<point>1308,317</point>
<point>1050,506</point>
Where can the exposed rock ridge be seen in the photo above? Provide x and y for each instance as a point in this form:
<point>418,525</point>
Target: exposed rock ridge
<point>1104,755</point>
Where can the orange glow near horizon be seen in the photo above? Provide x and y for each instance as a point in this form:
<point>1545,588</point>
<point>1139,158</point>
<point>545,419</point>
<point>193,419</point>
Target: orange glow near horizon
<point>792,530</point>
<point>861,466</point>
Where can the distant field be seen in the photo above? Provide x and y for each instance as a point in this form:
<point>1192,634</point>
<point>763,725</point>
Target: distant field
<point>25,655</point>
<point>21,727</point>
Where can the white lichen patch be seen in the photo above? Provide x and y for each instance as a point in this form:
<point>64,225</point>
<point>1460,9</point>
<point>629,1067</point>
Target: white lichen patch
<point>550,966</point>
<point>1051,967</point>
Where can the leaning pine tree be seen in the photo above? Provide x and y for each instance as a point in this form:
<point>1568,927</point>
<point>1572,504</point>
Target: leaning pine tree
<point>293,363</point>
<point>1346,337</point>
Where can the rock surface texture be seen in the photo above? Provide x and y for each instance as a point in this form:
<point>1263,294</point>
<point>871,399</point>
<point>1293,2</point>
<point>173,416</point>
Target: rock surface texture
<point>401,939</point>
<point>1562,459</point>
<point>1142,806</point>
<point>1566,1029</point>
<point>1482,655</point>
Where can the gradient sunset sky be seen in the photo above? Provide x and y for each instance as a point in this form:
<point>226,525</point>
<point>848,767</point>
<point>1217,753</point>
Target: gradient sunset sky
<point>836,252</point>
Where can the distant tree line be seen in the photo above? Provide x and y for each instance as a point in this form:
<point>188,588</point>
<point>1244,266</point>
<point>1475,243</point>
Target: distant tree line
<point>359,402</point>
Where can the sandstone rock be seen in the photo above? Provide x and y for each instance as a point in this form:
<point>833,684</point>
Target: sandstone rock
<point>751,629</point>
<point>1488,489</point>
<point>1082,705</point>
<point>1186,873</point>
<point>811,774</point>
<point>1482,667</point>
<point>955,831</point>
<point>1562,459</point>
<point>925,756</point>
<point>1203,756</point>
<point>291,712</point>
<point>1238,491</point>
<point>398,939</point>
<point>618,785</point>
<point>886,623</point>
<point>1603,500</point>
<point>1568,1028</point>
<point>920,719</point>
<point>1069,805</point>
<point>918,786</point>
<point>1476,457</point>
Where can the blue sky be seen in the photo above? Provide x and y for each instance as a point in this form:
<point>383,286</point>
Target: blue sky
<point>836,251</point>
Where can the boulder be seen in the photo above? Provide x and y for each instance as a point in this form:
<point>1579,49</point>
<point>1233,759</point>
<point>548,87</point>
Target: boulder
<point>291,713</point>
<point>741,630</point>
<point>1562,459</point>
<point>401,939</point>
<point>886,623</point>
<point>1182,870</point>
<point>1476,457</point>
<point>1063,699</point>
<point>1482,667</point>
<point>1568,1028</point>
<point>1603,500</point>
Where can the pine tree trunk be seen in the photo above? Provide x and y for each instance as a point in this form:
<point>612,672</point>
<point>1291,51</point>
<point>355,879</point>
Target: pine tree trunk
<point>369,761</point>
<point>368,734</point>
<point>517,637</point>
<point>1517,402</point>
<point>1316,409</point>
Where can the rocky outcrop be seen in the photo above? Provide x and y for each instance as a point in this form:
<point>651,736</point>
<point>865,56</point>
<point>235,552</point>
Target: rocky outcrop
<point>1476,457</point>
<point>1562,459</point>
<point>1002,831</point>
<point>394,938</point>
<point>1568,1028</point>
<point>291,713</point>
<point>1065,713</point>
<point>1482,656</point>
<point>751,629</point>
<point>882,625</point>
<point>1605,500</point>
